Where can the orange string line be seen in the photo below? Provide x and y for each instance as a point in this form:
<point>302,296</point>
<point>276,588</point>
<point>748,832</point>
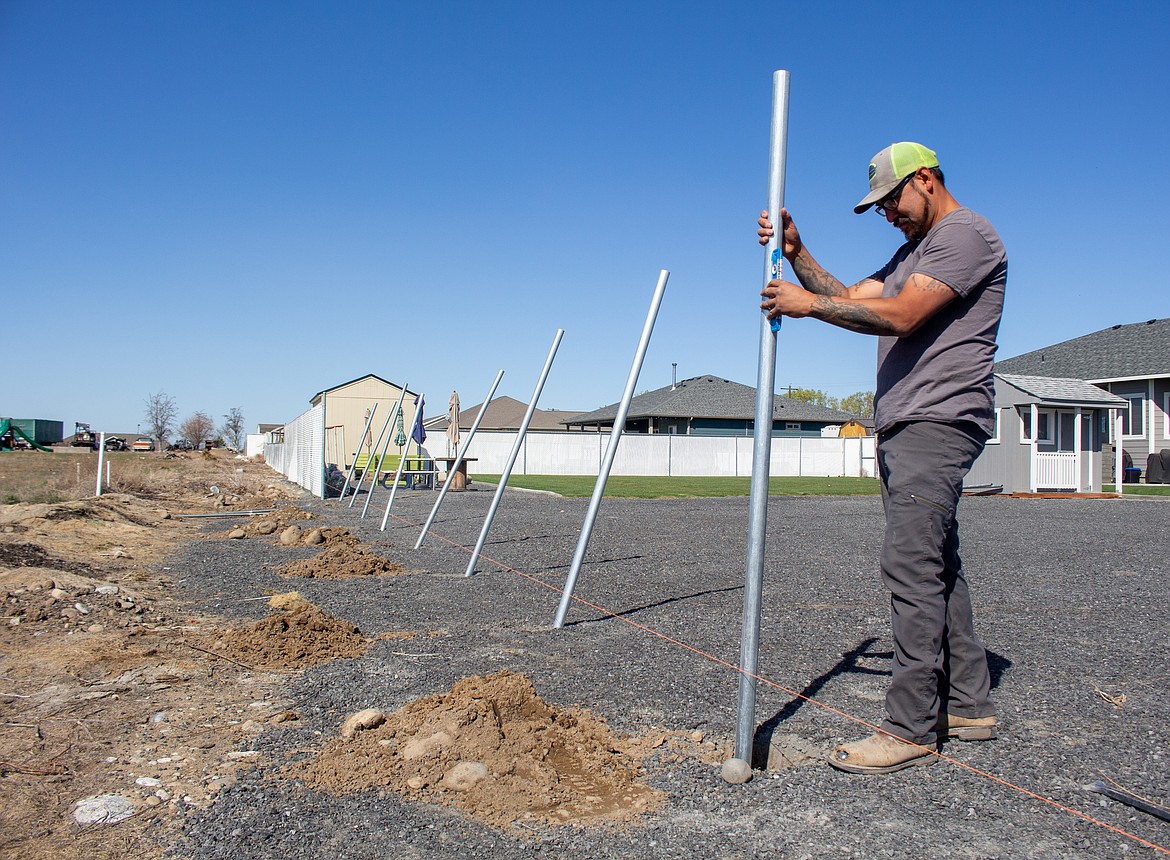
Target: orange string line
<point>721,662</point>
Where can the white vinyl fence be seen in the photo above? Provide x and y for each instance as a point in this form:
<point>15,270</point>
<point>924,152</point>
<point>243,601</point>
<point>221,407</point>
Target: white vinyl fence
<point>301,456</point>
<point>663,454</point>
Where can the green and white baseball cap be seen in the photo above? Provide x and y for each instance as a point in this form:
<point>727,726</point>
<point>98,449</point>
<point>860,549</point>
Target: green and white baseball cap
<point>891,166</point>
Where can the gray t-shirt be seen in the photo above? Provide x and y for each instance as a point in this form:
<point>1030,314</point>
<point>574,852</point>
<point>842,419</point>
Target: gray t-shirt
<point>943,371</point>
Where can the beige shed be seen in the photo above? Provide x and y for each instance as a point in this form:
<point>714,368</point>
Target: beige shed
<point>347,408</point>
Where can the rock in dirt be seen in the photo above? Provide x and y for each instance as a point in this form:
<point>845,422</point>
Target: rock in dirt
<point>288,600</point>
<point>237,534</point>
<point>102,809</point>
<point>291,535</point>
<point>314,538</point>
<point>266,527</point>
<point>370,718</point>
<point>465,775</point>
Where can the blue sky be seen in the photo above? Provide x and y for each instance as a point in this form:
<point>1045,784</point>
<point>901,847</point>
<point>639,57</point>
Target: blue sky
<point>242,203</point>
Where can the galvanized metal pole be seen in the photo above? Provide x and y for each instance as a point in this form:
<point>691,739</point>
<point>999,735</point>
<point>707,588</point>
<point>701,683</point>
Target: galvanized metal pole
<point>382,454</point>
<point>487,523</point>
<point>372,464</point>
<point>615,436</point>
<point>361,439</point>
<point>101,459</point>
<point>762,439</point>
<point>458,460</point>
<point>398,476</point>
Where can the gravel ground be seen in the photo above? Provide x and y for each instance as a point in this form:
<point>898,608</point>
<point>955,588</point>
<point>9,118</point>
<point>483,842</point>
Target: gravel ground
<point>1070,599</point>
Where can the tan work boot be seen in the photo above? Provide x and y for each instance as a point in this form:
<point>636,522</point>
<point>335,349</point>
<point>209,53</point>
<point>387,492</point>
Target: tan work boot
<point>880,753</point>
<point>966,728</point>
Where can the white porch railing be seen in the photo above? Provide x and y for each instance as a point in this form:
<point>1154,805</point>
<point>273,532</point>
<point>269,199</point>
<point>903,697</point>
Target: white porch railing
<point>1057,471</point>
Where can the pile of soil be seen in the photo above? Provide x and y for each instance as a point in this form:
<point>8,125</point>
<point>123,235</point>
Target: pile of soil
<point>295,636</point>
<point>268,524</point>
<point>343,560</point>
<point>338,537</point>
<point>495,750</point>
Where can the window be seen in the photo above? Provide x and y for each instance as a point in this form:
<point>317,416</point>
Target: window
<point>1133,419</point>
<point>792,425</point>
<point>994,440</point>
<point>1045,421</point>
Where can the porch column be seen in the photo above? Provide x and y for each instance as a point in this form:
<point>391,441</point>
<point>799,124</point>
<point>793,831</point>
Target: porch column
<point>1032,447</point>
<point>1077,449</point>
<point>1118,471</point>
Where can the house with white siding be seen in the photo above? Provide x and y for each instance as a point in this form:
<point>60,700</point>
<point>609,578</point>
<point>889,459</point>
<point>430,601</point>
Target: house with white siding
<point>1048,436</point>
<point>1131,361</point>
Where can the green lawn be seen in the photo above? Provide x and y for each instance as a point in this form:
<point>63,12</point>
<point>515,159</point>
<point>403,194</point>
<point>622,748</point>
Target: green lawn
<point>1135,489</point>
<point>678,488</point>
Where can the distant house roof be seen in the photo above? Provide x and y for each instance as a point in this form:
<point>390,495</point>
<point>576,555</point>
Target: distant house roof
<point>505,413</point>
<point>1135,350</point>
<point>313,399</point>
<point>1062,392</point>
<point>711,397</point>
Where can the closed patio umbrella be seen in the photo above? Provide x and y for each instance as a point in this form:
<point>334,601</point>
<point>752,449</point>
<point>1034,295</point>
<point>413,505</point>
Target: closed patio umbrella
<point>453,423</point>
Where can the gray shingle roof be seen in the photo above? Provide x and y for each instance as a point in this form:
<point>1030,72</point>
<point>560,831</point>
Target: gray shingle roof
<point>1073,392</point>
<point>505,413</point>
<point>1119,352</point>
<point>710,397</point>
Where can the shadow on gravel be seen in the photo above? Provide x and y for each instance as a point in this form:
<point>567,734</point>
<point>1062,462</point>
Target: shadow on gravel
<point>635,610</point>
<point>848,664</point>
<point>592,562</point>
<point>521,539</point>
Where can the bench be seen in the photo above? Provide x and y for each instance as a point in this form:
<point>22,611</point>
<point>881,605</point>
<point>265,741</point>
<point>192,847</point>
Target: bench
<point>419,472</point>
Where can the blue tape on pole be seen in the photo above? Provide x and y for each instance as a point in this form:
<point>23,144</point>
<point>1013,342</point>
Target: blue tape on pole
<point>776,271</point>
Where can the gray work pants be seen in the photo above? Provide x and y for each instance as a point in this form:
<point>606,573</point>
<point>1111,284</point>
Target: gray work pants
<point>938,660</point>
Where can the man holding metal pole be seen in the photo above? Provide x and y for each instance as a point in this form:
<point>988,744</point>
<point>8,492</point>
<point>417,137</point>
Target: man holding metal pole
<point>935,307</point>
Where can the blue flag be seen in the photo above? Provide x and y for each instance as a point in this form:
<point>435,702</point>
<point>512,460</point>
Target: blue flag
<point>418,433</point>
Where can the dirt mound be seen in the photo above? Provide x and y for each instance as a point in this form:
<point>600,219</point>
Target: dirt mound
<point>267,525</point>
<point>339,537</point>
<point>33,555</point>
<point>277,521</point>
<point>74,535</point>
<point>494,749</point>
<point>343,560</point>
<point>298,636</point>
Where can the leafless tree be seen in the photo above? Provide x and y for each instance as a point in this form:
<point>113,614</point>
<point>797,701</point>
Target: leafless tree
<point>160,417</point>
<point>197,429</point>
<point>233,428</point>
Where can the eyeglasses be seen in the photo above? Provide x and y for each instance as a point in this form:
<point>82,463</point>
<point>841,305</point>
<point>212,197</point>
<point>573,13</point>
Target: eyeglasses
<point>890,201</point>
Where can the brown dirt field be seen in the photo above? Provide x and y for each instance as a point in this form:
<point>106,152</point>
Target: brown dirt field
<point>109,685</point>
<point>103,683</point>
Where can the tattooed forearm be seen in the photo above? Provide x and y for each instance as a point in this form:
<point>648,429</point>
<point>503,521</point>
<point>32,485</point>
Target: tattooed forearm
<point>816,280</point>
<point>853,316</point>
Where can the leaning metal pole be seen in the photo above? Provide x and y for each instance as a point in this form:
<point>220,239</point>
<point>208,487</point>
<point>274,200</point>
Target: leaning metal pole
<point>762,448</point>
<point>361,439</point>
<point>619,423</point>
<point>398,477</point>
<point>487,523</point>
<point>458,460</point>
<point>382,454</point>
<point>372,464</point>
